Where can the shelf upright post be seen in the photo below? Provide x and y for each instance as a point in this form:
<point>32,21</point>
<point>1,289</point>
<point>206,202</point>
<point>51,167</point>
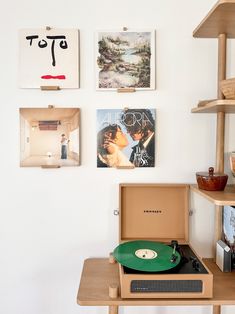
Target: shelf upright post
<point>113,309</point>
<point>216,309</point>
<point>222,43</point>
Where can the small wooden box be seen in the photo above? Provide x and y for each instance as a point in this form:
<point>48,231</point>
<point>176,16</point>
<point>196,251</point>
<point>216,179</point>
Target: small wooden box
<point>227,87</point>
<point>157,212</point>
<point>232,162</point>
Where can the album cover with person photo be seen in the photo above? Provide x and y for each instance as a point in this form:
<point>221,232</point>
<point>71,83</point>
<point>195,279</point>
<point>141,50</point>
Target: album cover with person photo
<point>125,138</point>
<point>49,137</point>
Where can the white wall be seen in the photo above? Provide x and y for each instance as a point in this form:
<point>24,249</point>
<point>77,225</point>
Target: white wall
<point>51,220</point>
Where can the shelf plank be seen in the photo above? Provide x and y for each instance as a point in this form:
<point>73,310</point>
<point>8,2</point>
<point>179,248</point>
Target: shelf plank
<point>98,274</point>
<point>220,20</point>
<point>221,198</point>
<point>214,106</point>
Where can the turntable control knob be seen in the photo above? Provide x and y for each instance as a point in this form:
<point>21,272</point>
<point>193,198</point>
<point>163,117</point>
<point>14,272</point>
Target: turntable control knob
<point>195,264</point>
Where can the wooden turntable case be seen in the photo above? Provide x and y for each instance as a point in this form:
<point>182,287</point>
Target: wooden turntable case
<point>157,212</point>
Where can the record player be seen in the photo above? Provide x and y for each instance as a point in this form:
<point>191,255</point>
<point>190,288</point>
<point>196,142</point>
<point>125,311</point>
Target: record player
<point>155,258</point>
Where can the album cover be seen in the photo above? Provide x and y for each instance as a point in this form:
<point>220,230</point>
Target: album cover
<point>49,58</point>
<point>229,226</point>
<point>49,137</point>
<point>125,59</point>
<point>125,137</point>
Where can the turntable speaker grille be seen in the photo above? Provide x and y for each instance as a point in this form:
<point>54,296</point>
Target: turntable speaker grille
<point>166,286</point>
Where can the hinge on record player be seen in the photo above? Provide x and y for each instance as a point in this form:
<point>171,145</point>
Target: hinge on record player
<point>190,212</point>
<point>116,212</point>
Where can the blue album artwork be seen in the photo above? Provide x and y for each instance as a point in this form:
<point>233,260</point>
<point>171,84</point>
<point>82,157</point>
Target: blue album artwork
<point>229,224</point>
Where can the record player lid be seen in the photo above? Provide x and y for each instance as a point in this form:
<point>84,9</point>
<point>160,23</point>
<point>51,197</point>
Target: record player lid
<point>156,212</point>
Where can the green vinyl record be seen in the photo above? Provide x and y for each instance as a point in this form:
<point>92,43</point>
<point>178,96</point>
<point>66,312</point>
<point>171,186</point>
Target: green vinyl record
<point>146,256</point>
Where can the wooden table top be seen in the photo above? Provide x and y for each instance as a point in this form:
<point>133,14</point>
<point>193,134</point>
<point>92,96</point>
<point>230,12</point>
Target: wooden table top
<point>98,274</point>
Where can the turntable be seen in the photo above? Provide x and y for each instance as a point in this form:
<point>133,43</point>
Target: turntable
<point>155,259</point>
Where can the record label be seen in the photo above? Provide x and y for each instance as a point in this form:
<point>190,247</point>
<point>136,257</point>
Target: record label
<point>146,256</point>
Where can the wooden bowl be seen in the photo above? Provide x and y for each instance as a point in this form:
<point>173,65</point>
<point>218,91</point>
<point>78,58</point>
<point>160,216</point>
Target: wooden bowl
<point>211,181</point>
<point>227,87</point>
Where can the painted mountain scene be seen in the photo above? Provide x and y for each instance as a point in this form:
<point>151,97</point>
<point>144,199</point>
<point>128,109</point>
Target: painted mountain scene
<point>125,60</point>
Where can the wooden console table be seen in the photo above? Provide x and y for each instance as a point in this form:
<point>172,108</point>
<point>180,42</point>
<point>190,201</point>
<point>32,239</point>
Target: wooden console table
<point>98,275</point>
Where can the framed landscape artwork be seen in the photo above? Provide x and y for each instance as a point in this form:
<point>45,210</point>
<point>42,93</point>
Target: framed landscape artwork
<point>126,138</point>
<point>49,58</point>
<point>125,60</point>
<point>49,137</point>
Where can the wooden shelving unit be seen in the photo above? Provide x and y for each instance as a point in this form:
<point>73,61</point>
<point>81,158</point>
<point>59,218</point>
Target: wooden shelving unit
<point>220,20</point>
<point>215,106</point>
<point>220,198</point>
<point>219,23</point>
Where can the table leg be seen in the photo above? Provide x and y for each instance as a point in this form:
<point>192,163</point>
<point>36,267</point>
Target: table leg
<point>113,309</point>
<point>216,309</point>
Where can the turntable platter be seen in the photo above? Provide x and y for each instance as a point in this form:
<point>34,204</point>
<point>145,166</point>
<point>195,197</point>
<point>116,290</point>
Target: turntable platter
<point>146,256</point>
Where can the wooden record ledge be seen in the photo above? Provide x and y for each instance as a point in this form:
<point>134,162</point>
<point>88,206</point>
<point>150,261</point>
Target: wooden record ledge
<point>98,275</point>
